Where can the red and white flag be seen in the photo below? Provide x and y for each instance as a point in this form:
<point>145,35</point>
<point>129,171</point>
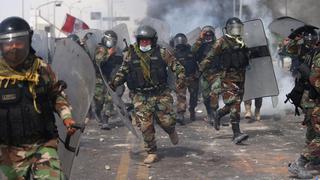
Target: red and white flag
<point>73,24</point>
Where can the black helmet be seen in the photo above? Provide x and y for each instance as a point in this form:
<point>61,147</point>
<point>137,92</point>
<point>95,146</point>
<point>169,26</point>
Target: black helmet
<point>74,38</point>
<point>234,26</point>
<point>310,37</point>
<point>180,39</point>
<point>15,40</point>
<point>209,33</point>
<point>147,32</point>
<point>109,39</point>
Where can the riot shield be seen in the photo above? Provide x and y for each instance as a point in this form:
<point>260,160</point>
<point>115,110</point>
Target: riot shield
<point>73,65</point>
<point>284,26</point>
<point>118,104</point>
<point>162,28</point>
<point>97,32</point>
<point>193,35</point>
<point>90,42</point>
<point>123,33</point>
<point>260,79</point>
<point>40,43</point>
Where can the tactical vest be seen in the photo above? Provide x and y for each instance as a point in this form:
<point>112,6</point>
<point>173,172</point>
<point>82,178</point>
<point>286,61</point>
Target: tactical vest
<point>19,121</point>
<point>204,49</point>
<point>232,58</point>
<point>158,73</point>
<point>186,58</point>
<point>111,66</point>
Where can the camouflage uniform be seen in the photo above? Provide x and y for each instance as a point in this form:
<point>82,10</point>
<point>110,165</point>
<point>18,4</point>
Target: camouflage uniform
<point>40,159</point>
<point>102,99</point>
<point>302,54</point>
<point>210,80</point>
<point>312,150</point>
<point>186,58</point>
<point>155,101</point>
<point>232,83</point>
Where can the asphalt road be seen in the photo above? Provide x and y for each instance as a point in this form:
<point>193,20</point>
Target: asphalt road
<point>202,152</point>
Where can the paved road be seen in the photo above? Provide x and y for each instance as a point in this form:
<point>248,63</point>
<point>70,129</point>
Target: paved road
<point>202,153</point>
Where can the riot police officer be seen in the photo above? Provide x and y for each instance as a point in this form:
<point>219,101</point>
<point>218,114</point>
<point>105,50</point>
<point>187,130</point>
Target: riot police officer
<point>30,94</point>
<point>109,60</point>
<point>183,54</point>
<point>144,69</point>
<point>230,55</point>
<point>201,48</point>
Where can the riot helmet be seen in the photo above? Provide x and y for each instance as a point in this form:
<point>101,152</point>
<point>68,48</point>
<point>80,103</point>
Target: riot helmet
<point>209,33</point>
<point>146,37</point>
<point>180,39</point>
<point>109,39</point>
<point>74,38</point>
<point>234,27</point>
<point>15,40</point>
<point>310,37</point>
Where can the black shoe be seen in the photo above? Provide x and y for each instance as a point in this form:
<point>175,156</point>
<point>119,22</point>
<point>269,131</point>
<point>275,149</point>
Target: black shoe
<point>180,119</point>
<point>192,115</point>
<point>238,136</point>
<point>217,119</point>
<point>298,168</point>
<point>105,126</point>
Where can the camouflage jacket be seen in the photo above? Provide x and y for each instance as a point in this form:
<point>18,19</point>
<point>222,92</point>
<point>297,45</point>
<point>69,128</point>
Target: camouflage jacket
<point>166,55</point>
<point>197,49</point>
<point>314,77</point>
<point>220,45</point>
<point>60,102</point>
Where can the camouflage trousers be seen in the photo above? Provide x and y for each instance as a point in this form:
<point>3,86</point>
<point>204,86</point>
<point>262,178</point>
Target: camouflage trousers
<point>211,89</point>
<point>39,161</point>
<point>102,103</point>
<point>154,108</point>
<point>312,149</point>
<point>192,85</point>
<point>232,92</point>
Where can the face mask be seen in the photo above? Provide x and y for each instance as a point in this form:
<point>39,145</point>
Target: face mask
<point>145,48</point>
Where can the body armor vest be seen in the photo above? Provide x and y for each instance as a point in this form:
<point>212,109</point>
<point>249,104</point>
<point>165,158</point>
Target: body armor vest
<point>232,58</point>
<point>158,73</point>
<point>203,51</point>
<point>111,66</point>
<point>19,121</point>
<point>186,58</point>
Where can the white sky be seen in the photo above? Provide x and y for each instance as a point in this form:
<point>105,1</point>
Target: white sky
<point>135,9</point>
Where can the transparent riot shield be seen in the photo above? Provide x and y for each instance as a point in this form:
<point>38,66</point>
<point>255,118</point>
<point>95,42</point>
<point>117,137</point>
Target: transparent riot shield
<point>40,43</point>
<point>73,65</point>
<point>260,79</point>
<point>123,34</point>
<point>193,35</point>
<point>284,26</point>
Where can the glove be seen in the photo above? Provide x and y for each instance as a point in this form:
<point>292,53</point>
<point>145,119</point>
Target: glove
<point>68,123</point>
<point>202,34</point>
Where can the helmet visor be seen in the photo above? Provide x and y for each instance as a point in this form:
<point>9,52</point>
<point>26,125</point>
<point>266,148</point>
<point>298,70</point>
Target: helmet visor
<point>15,49</point>
<point>235,29</point>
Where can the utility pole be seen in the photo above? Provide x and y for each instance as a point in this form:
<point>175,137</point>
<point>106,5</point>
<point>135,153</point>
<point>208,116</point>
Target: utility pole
<point>286,4</point>
<point>234,8</point>
<point>240,9</point>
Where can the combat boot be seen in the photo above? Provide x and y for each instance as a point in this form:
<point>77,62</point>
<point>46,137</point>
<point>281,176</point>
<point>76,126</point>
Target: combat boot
<point>151,158</point>
<point>209,111</point>
<point>248,113</point>
<point>238,136</point>
<point>298,168</point>
<point>257,114</point>
<point>217,118</point>
<point>174,137</point>
<point>192,115</point>
<point>180,118</point>
<point>105,123</point>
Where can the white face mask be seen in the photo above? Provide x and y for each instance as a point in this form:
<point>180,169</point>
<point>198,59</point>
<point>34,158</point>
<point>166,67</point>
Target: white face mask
<point>145,48</point>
